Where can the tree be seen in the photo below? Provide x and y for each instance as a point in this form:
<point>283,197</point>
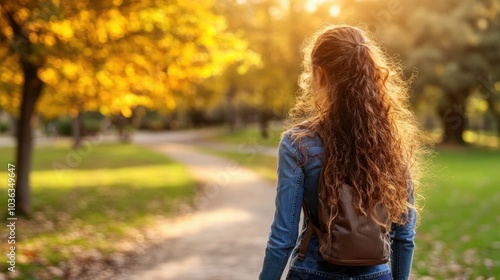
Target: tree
<point>449,43</point>
<point>490,82</point>
<point>275,30</point>
<point>108,55</point>
<point>449,46</point>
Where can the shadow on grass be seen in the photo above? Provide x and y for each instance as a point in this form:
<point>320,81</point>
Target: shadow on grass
<point>85,158</point>
<point>105,220</point>
<point>103,205</point>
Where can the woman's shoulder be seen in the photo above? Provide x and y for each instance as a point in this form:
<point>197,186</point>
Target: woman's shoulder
<point>301,142</point>
<point>301,136</point>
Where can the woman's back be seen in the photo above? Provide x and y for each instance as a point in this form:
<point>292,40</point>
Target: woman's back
<point>369,141</point>
<point>285,229</point>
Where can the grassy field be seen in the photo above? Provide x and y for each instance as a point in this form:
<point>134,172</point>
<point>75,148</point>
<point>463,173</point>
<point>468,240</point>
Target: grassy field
<point>249,136</point>
<point>459,234</point>
<point>262,164</point>
<point>99,201</point>
<point>460,230</point>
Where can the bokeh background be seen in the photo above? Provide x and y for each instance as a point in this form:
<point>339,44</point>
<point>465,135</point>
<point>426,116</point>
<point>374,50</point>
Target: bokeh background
<point>99,97</point>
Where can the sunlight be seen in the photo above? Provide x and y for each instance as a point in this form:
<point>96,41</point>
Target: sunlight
<point>191,224</point>
<point>311,7</point>
<point>334,10</point>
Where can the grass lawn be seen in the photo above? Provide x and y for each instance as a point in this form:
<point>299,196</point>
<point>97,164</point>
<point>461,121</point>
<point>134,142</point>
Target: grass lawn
<point>249,136</point>
<point>262,164</point>
<point>459,234</point>
<point>460,230</point>
<point>101,200</point>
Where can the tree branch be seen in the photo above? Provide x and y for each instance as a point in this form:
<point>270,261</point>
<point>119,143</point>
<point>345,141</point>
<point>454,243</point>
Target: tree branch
<point>16,28</point>
<point>19,38</point>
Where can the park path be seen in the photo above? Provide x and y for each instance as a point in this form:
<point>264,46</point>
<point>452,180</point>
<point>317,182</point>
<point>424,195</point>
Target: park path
<point>226,237</point>
<point>140,137</point>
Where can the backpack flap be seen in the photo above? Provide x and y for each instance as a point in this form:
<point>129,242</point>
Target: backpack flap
<point>355,239</point>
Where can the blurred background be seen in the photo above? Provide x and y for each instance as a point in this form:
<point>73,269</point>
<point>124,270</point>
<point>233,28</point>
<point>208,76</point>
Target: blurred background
<point>110,108</point>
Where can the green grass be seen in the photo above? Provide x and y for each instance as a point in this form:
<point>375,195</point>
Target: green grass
<point>99,199</point>
<point>460,230</point>
<point>459,234</point>
<point>249,136</point>
<point>264,165</point>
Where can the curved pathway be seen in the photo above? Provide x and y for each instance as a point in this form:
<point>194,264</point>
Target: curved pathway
<point>226,237</point>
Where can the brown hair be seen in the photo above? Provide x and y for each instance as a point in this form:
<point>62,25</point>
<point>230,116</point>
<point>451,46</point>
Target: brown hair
<point>371,139</point>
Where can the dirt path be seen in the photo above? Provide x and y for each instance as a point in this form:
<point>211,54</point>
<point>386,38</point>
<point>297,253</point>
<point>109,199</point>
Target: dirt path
<point>226,238</point>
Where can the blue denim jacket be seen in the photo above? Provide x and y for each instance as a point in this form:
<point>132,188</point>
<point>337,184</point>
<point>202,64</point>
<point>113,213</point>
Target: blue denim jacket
<point>296,183</point>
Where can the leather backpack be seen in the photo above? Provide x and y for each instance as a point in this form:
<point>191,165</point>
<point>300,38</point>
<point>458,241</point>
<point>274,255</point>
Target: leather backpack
<point>354,239</point>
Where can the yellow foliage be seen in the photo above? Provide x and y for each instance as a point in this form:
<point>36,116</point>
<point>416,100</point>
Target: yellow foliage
<point>48,76</point>
<point>117,2</point>
<point>22,14</point>
<point>84,16</point>
<point>70,70</point>
<point>115,24</point>
<point>126,112</point>
<point>33,37</point>
<point>104,110</point>
<point>113,58</point>
<point>129,70</point>
<point>170,102</point>
<point>62,29</point>
<point>48,40</point>
<point>7,31</point>
<point>18,79</point>
<point>104,79</point>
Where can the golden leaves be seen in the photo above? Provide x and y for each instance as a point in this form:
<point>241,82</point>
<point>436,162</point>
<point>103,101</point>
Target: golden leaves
<point>126,112</point>
<point>116,58</point>
<point>18,79</point>
<point>22,14</point>
<point>62,29</point>
<point>11,77</point>
<point>33,37</point>
<point>104,79</point>
<point>114,24</point>
<point>7,31</point>
<point>49,76</point>
<point>70,70</point>
<point>47,39</point>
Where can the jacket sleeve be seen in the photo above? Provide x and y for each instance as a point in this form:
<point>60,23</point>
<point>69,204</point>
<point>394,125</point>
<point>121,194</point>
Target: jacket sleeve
<point>402,243</point>
<point>284,229</point>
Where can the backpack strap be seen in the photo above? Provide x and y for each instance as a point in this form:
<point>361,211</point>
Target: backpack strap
<point>310,228</point>
<point>305,242</point>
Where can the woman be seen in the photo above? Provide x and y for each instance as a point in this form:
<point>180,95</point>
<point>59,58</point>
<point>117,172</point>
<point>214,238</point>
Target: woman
<point>358,103</point>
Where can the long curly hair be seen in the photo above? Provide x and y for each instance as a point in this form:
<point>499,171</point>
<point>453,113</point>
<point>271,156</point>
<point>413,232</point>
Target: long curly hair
<point>356,99</point>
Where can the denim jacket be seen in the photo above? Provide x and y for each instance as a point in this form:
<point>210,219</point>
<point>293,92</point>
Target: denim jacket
<point>300,182</point>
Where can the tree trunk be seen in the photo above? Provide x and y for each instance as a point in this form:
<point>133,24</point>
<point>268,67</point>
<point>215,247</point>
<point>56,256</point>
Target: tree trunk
<point>494,111</point>
<point>497,119</point>
<point>454,119</point>
<point>14,124</point>
<point>77,130</point>
<point>264,118</point>
<point>32,89</point>
<point>230,107</point>
<point>454,129</point>
<point>120,123</point>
